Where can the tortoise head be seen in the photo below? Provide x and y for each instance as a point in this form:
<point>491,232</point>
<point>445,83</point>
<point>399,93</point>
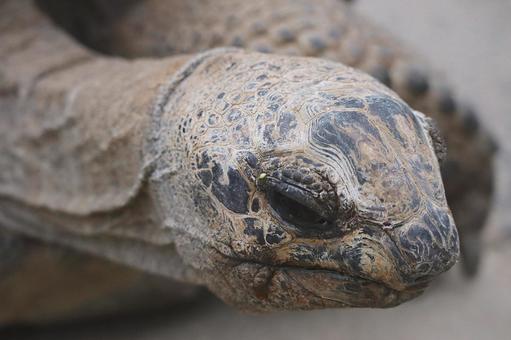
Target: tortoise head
<point>318,187</point>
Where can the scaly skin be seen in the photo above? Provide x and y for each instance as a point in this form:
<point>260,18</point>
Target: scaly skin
<point>278,182</point>
<point>327,29</point>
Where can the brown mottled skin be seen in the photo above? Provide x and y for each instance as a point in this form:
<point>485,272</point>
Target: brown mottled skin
<point>278,182</point>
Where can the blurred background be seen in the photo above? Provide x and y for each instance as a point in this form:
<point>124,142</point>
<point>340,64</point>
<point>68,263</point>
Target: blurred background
<point>469,40</point>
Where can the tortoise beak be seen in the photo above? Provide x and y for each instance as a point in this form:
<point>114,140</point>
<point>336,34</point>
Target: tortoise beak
<point>428,246</point>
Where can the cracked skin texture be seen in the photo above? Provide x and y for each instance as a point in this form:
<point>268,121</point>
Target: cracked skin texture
<point>158,164</point>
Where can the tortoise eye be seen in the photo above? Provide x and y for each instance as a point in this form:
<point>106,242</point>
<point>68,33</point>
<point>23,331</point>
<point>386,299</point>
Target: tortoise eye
<point>297,214</point>
<point>298,207</point>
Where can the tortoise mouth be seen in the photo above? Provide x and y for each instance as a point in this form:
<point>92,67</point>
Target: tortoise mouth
<point>284,287</point>
<point>351,291</point>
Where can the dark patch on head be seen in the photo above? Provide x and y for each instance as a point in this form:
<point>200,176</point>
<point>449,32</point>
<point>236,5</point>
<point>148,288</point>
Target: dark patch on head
<point>267,133</point>
<point>328,96</point>
<point>352,256</point>
<point>387,109</point>
<point>262,77</point>
<point>415,201</point>
<point>361,177</point>
<point>203,163</point>
<point>418,245</point>
<point>262,92</point>
<point>233,115</point>
<point>251,230</point>
<point>251,159</point>
<point>329,134</point>
<point>438,222</point>
<point>255,205</point>
<point>287,122</point>
<point>273,107</point>
<point>234,194</point>
<point>205,177</point>
<point>369,231</point>
<point>202,202</point>
<point>276,98</point>
<point>354,118</point>
<point>221,95</point>
<point>350,103</point>
<point>425,244</point>
<point>419,166</point>
<point>213,119</point>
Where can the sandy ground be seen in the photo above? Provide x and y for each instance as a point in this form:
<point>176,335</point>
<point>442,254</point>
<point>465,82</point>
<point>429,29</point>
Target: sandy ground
<point>471,41</point>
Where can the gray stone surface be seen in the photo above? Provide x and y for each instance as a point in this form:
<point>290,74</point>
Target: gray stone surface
<point>471,41</point>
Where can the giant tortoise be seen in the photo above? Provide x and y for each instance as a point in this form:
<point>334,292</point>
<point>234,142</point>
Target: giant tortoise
<point>222,143</point>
